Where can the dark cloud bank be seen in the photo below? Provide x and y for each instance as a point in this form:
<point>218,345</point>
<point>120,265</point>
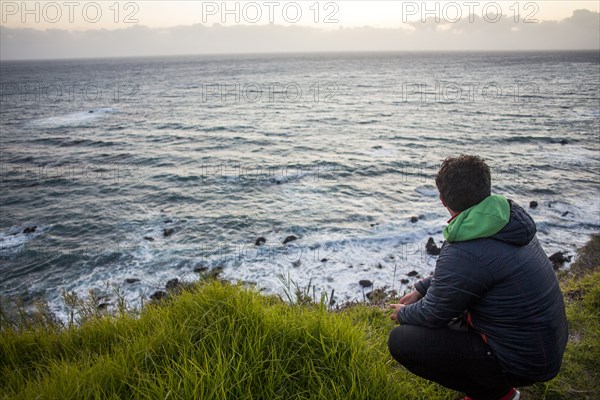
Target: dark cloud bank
<point>580,31</point>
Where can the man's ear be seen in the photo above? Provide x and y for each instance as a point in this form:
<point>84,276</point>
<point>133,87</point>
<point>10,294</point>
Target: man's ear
<point>442,200</point>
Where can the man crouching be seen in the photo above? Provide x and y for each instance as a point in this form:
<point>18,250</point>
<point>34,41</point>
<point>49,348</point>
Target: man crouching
<point>492,316</point>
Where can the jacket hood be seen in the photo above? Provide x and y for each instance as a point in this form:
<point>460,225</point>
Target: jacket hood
<point>494,217</point>
<point>520,229</point>
<point>484,219</point>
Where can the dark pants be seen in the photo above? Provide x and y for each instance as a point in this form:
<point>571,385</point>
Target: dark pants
<point>455,357</point>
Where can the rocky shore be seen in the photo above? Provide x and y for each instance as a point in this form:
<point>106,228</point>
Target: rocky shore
<point>368,292</point>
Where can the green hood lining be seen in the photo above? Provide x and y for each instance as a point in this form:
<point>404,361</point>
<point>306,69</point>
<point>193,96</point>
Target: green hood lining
<point>480,221</point>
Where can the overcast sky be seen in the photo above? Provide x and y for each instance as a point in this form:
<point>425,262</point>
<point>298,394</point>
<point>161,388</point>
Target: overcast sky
<point>46,30</point>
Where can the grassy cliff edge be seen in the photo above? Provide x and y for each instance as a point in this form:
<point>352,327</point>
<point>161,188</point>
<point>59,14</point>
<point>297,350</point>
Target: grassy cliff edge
<point>221,341</point>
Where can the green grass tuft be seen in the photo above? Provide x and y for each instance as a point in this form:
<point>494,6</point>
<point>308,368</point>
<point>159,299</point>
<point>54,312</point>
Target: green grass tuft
<point>216,341</point>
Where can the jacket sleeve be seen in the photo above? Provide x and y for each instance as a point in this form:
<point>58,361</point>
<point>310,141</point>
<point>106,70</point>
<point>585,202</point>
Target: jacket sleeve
<point>459,280</point>
<point>423,285</point>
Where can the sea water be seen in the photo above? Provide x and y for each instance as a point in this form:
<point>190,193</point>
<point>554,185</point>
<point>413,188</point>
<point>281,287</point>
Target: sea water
<point>339,150</point>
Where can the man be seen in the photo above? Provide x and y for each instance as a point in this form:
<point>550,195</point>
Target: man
<point>492,316</point>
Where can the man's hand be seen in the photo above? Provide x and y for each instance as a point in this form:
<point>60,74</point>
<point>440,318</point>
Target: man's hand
<point>396,307</point>
<point>410,298</point>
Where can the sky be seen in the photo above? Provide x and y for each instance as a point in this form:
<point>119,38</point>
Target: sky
<point>68,29</point>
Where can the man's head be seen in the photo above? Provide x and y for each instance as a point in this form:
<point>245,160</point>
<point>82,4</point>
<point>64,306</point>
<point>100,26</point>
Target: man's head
<point>463,182</point>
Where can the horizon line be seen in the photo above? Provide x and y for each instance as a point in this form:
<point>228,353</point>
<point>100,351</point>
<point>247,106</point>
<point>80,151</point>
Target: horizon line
<point>316,52</point>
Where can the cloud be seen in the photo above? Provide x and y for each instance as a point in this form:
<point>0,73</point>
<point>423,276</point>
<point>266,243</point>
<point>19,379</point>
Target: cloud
<point>580,31</point>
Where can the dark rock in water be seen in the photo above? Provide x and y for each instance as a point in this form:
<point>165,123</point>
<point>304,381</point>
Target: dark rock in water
<point>412,273</point>
<point>168,221</point>
<point>559,258</point>
<point>404,281</point>
<point>296,263</point>
<point>148,238</point>
<point>131,280</point>
<point>168,232</point>
<point>172,284</point>
<point>158,295</point>
<point>533,204</point>
<point>30,229</point>
<point>565,213</point>
<point>414,219</point>
<point>91,111</point>
<point>200,269</point>
<point>260,241</point>
<point>365,283</point>
<point>103,306</point>
<point>380,266</point>
<point>278,182</point>
<point>564,141</point>
<point>290,238</point>
<point>324,260</point>
<point>432,248</point>
<point>374,224</point>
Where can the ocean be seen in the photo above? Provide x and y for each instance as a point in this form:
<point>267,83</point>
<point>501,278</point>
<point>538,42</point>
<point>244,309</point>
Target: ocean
<point>150,169</point>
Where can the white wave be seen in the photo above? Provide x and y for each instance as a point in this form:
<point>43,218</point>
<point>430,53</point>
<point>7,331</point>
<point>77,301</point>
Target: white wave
<point>14,237</point>
<point>337,262</point>
<point>72,119</point>
<point>384,153</point>
<point>427,190</point>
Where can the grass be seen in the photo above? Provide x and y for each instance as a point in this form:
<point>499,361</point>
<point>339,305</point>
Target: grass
<point>212,341</point>
<point>221,341</point>
<point>588,258</point>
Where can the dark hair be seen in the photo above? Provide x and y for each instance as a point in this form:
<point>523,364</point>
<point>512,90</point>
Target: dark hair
<point>463,181</point>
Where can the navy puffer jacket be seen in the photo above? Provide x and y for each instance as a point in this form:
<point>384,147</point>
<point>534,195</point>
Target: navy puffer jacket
<point>508,286</point>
